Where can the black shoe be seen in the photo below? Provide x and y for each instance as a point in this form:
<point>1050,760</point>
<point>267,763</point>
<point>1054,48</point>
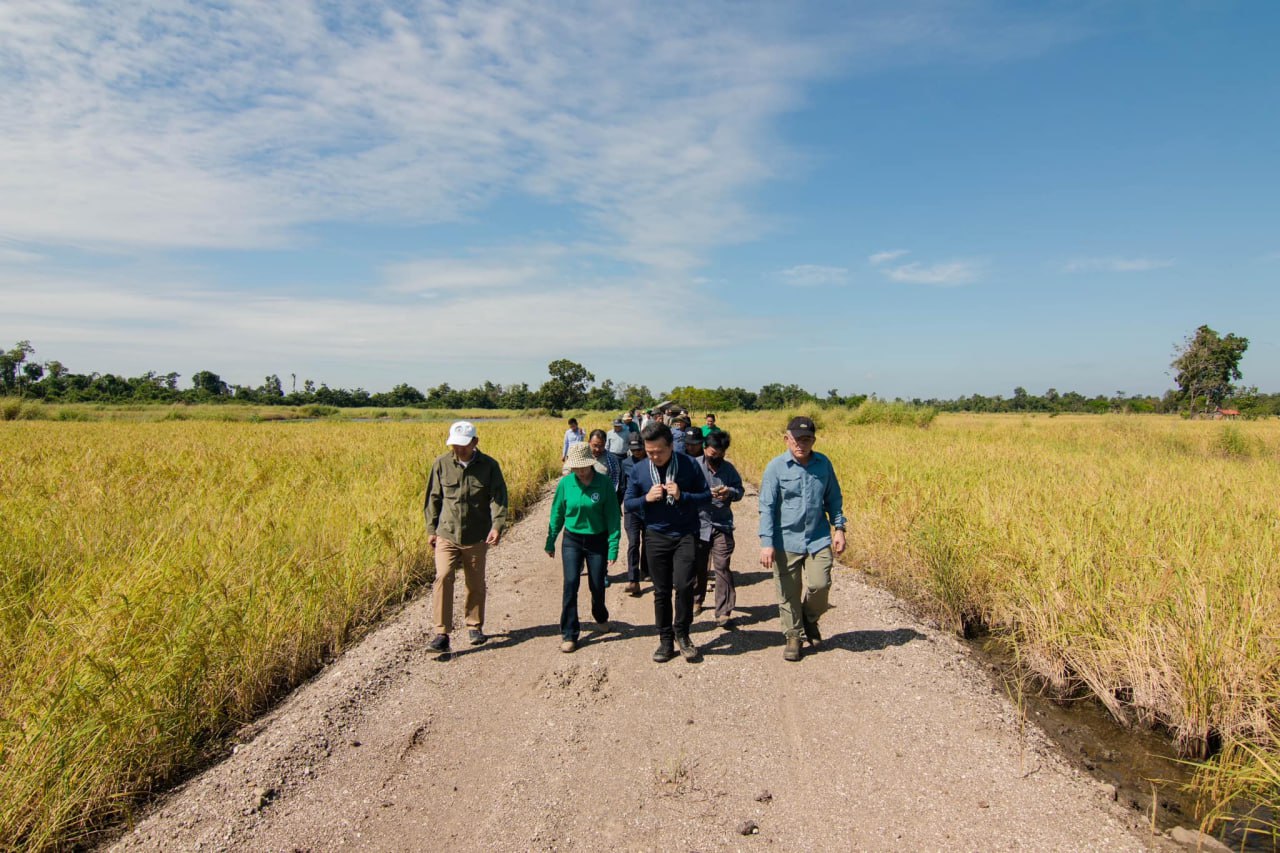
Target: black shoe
<point>663,653</point>
<point>439,643</point>
<point>476,637</point>
<point>792,651</point>
<point>812,634</point>
<point>687,649</point>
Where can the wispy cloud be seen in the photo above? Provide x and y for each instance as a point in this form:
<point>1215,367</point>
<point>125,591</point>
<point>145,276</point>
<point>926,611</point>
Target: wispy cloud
<point>813,275</point>
<point>146,126</point>
<point>943,274</point>
<point>1117,264</point>
<point>234,124</point>
<point>946,274</point>
<point>9,255</point>
<point>885,257</point>
<point>243,333</point>
<point>511,268</point>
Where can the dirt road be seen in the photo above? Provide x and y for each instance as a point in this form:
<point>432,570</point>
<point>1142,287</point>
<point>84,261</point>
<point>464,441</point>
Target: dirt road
<point>890,738</point>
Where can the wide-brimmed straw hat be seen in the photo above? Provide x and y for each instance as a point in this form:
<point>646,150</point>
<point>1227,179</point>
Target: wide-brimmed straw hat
<point>580,457</point>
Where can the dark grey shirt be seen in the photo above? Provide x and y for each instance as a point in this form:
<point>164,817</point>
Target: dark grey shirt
<point>718,514</point>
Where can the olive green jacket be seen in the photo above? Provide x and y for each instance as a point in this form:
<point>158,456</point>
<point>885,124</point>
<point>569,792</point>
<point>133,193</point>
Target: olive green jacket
<point>464,504</point>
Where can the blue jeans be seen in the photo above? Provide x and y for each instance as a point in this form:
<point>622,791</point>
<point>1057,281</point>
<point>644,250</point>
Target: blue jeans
<point>576,549</point>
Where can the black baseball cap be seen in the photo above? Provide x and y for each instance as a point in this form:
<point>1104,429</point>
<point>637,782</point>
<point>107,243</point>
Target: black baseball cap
<point>635,443</point>
<point>693,436</point>
<point>801,426</point>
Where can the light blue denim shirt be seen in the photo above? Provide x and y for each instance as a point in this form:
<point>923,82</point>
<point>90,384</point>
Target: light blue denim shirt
<point>799,504</point>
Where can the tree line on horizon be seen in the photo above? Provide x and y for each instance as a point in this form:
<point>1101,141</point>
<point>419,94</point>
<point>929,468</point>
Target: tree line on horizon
<point>1207,365</point>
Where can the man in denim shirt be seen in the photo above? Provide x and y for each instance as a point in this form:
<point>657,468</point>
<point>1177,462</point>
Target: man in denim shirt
<point>800,503</point>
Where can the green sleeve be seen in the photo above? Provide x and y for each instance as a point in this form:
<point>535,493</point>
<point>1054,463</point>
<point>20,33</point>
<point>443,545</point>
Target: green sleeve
<point>497,497</point>
<point>613,523</point>
<point>557,516</point>
<point>433,500</point>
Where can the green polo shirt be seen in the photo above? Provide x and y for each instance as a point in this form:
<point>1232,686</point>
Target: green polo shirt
<point>586,511</point>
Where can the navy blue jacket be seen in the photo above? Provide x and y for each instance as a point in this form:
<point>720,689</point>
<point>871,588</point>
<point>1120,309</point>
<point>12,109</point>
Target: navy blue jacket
<point>660,517</point>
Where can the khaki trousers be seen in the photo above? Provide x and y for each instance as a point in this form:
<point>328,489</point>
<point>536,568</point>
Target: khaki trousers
<point>804,584</point>
<point>450,556</point>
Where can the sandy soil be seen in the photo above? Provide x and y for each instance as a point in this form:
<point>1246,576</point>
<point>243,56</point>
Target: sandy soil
<point>892,737</point>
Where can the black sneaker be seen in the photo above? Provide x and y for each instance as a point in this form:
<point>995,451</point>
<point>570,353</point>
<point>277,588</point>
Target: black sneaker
<point>476,637</point>
<point>439,643</point>
<point>663,653</point>
<point>687,649</point>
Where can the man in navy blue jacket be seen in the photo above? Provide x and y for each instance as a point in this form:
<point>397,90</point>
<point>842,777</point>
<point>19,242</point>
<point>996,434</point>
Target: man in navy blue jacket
<point>669,489</point>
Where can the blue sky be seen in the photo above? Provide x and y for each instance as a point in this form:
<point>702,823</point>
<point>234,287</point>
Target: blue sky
<point>906,198</point>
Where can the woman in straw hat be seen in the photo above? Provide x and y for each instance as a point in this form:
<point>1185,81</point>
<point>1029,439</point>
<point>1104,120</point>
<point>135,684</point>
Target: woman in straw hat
<point>585,507</point>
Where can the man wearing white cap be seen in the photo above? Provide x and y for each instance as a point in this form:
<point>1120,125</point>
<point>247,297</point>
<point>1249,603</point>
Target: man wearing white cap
<point>466,510</point>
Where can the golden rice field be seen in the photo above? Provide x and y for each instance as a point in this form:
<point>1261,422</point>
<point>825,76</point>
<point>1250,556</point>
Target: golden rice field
<point>1134,558</point>
<point>162,582</point>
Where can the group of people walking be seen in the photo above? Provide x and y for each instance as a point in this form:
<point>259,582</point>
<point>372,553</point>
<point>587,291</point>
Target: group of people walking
<point>669,485</point>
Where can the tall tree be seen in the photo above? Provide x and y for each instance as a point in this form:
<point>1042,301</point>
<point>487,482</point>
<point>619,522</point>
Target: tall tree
<point>11,377</point>
<point>1207,364</point>
<point>210,383</point>
<point>567,387</point>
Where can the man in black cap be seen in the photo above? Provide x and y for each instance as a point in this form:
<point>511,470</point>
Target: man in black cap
<point>800,504</point>
<point>693,442</point>
<point>633,522</point>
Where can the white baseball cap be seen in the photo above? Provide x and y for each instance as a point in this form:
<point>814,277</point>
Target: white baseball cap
<point>461,433</point>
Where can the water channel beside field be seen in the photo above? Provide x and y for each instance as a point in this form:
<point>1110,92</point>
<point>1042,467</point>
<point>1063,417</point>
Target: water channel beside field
<point>1140,763</point>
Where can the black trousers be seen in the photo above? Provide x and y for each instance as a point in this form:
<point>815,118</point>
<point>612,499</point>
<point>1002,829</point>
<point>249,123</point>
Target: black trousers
<point>670,560</point>
<point>634,523</point>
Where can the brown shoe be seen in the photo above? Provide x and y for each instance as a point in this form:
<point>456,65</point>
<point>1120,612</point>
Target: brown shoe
<point>792,651</point>
<point>633,589</point>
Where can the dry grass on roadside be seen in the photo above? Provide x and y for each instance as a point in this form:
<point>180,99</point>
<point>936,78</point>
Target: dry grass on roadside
<point>1131,558</point>
<point>163,582</point>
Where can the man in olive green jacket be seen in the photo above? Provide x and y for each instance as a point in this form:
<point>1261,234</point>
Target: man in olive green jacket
<point>466,510</point>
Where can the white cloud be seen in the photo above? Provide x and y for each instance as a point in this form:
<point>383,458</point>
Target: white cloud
<point>142,126</point>
<point>241,334</point>
<point>812,275</point>
<point>234,124</point>
<point>946,274</point>
<point>1117,264</point>
<point>884,257</point>
<point>510,269</point>
<point>10,255</point>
